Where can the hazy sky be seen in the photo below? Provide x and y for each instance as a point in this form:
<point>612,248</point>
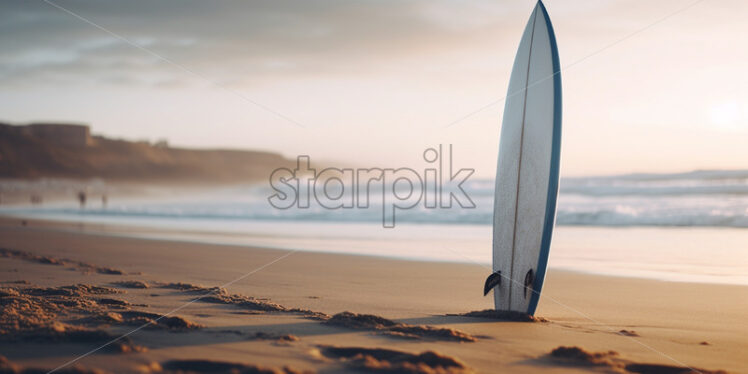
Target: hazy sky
<point>376,82</point>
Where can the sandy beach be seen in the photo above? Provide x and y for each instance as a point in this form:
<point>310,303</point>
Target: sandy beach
<point>395,187</point>
<point>66,293</point>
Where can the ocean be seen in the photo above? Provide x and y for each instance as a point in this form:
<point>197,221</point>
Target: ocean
<point>690,227</point>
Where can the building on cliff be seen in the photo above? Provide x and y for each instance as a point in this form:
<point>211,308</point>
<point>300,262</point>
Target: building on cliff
<point>57,133</point>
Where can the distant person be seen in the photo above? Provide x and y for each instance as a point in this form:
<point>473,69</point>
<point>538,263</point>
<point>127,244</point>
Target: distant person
<point>82,199</point>
<point>103,201</point>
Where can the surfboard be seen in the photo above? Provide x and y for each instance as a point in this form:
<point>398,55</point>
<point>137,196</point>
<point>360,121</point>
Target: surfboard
<point>527,173</point>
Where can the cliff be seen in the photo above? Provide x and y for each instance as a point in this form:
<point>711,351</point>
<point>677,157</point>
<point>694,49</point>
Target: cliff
<point>57,151</point>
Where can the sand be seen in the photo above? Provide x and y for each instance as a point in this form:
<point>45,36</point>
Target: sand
<point>218,308</point>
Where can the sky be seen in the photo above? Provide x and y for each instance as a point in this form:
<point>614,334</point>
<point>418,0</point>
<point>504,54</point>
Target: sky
<point>649,86</point>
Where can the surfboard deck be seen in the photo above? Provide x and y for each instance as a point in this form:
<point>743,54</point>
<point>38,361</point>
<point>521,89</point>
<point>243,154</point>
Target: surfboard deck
<point>528,170</point>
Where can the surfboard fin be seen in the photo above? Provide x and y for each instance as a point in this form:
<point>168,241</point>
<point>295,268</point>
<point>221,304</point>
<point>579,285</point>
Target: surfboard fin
<point>529,280</point>
<point>492,281</point>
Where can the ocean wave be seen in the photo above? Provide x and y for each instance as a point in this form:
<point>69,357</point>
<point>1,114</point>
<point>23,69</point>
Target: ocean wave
<point>568,215</point>
<point>616,218</point>
<point>623,190</point>
<point>700,198</point>
<point>643,185</point>
<point>690,175</point>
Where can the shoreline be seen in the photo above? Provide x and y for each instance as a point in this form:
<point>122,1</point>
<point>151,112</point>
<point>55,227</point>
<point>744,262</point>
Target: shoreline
<point>281,241</point>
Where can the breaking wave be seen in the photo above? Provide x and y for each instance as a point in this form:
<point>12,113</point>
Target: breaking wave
<point>699,198</point>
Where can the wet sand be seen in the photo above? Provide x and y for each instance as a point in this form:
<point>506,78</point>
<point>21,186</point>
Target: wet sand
<point>218,308</point>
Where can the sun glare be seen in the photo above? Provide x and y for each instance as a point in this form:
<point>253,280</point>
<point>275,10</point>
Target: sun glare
<point>729,115</point>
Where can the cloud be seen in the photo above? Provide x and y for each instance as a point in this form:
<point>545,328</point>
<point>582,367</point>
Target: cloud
<point>241,40</point>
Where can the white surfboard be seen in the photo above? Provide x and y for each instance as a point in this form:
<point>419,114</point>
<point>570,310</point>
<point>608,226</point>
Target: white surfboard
<point>528,170</point>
